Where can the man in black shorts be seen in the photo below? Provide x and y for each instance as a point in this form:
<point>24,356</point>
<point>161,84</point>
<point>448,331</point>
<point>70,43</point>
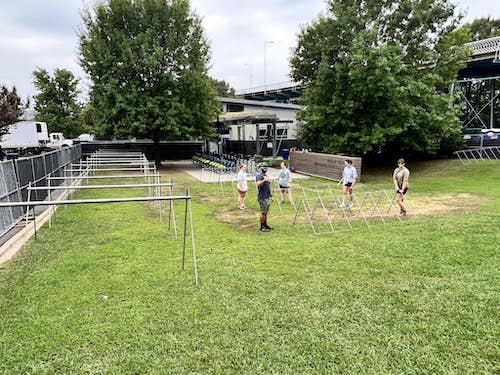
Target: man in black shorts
<point>400,178</point>
<point>264,196</point>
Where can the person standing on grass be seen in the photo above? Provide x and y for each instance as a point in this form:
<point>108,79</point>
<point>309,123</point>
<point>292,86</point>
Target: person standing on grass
<point>264,196</point>
<point>400,177</point>
<point>242,186</point>
<point>348,180</point>
<point>284,181</point>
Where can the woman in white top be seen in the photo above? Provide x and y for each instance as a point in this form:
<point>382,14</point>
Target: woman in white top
<point>242,186</point>
<point>348,180</point>
<point>284,181</point>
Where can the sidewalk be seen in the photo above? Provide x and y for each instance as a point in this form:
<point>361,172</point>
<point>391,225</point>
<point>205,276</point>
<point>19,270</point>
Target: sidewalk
<point>207,176</point>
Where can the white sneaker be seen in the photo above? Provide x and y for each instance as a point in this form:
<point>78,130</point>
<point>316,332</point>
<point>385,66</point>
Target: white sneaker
<point>342,205</point>
<point>350,205</point>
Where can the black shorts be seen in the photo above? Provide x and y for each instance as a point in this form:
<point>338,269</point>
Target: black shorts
<point>404,190</point>
<point>349,184</point>
<point>284,187</point>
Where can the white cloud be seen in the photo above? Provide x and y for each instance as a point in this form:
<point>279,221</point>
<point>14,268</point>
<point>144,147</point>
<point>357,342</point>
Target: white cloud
<point>37,33</point>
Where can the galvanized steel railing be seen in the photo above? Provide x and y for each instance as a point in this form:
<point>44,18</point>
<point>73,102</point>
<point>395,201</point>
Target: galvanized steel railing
<point>472,155</point>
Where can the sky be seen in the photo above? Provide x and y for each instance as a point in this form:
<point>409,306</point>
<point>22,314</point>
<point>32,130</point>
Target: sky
<point>246,36</point>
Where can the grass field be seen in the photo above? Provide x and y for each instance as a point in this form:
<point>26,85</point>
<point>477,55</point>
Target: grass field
<point>102,290</point>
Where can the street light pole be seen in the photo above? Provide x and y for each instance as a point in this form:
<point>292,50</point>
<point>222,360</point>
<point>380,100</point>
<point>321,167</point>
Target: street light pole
<point>251,80</point>
<point>265,64</point>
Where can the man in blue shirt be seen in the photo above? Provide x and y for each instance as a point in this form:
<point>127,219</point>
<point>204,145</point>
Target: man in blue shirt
<point>264,196</point>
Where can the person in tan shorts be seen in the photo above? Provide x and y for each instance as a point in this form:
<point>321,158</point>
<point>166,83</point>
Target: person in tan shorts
<point>400,178</point>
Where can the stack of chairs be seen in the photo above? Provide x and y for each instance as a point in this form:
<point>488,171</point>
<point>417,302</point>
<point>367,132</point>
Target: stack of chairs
<point>216,163</point>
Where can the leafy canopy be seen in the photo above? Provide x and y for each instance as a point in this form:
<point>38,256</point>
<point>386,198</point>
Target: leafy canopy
<point>56,103</point>
<point>223,88</point>
<point>483,28</point>
<point>147,60</point>
<point>11,108</point>
<point>377,73</point>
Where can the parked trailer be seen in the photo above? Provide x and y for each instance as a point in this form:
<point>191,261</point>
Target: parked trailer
<point>31,137</point>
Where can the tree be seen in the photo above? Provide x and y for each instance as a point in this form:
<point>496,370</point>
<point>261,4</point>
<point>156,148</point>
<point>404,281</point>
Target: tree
<point>483,28</point>
<point>223,88</point>
<point>56,103</point>
<point>11,108</point>
<point>87,121</point>
<point>377,74</point>
<point>148,62</point>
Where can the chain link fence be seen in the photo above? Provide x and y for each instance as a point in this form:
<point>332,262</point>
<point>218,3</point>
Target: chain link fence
<point>16,175</point>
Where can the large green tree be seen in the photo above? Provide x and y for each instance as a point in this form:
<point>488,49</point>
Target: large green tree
<point>377,73</point>
<point>11,108</point>
<point>56,102</point>
<point>483,28</point>
<point>148,62</point>
<point>223,88</point>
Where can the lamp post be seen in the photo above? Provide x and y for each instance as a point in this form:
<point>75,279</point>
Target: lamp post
<point>265,64</point>
<point>251,80</point>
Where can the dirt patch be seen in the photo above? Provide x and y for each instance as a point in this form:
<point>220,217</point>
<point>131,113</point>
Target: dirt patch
<point>420,205</point>
<point>209,198</point>
<point>239,219</point>
<point>445,203</point>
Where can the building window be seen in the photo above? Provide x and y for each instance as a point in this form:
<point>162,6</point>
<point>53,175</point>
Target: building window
<point>38,127</point>
<point>235,107</point>
<point>282,133</point>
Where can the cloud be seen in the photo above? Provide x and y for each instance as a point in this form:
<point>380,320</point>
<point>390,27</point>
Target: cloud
<point>44,34</point>
<point>238,31</point>
<point>37,34</point>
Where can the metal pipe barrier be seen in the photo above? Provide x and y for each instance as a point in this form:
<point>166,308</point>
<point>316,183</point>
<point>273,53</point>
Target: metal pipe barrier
<point>329,212</point>
<point>469,156</point>
<point>188,212</point>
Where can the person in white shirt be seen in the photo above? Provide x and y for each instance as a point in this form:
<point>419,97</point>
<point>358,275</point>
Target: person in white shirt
<point>284,181</point>
<point>348,180</point>
<point>242,186</point>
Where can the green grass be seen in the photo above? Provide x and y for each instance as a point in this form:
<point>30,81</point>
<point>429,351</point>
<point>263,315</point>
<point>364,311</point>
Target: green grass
<point>102,291</point>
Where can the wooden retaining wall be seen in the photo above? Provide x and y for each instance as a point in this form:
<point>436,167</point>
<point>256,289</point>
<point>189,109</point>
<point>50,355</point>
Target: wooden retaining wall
<point>322,165</point>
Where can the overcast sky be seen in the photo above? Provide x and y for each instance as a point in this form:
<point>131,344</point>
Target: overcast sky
<point>43,33</point>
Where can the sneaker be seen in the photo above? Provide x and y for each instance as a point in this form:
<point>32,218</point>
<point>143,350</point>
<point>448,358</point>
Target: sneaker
<point>269,228</point>
<point>262,229</point>
<point>403,212</point>
<point>242,208</point>
<point>350,205</point>
<point>342,205</point>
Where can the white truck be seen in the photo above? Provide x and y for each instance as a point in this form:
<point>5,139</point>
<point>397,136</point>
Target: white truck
<point>31,137</point>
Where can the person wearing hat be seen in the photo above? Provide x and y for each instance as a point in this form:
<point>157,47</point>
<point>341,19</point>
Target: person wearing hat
<point>264,196</point>
<point>400,178</point>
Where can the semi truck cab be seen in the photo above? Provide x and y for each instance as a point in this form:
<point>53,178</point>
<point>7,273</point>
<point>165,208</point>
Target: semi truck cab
<point>57,140</point>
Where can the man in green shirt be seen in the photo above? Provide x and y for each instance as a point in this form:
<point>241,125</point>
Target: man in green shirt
<point>400,178</point>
